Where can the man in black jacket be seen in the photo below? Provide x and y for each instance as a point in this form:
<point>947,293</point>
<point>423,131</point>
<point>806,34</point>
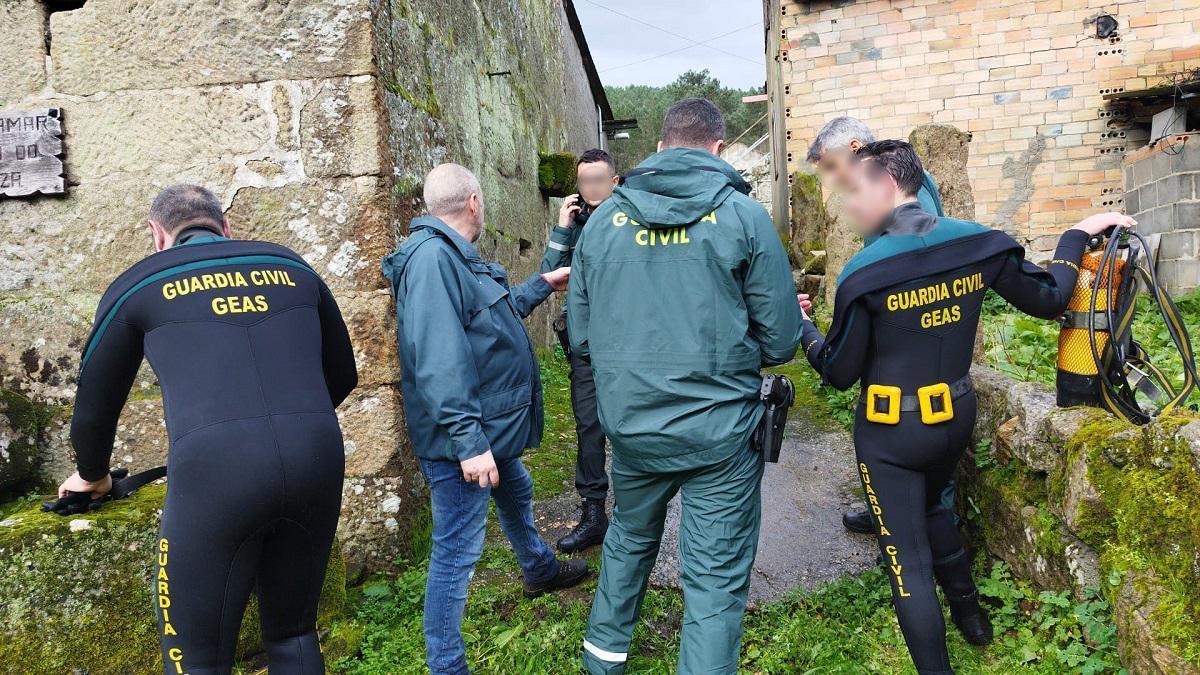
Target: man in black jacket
<point>252,356</point>
<point>596,174</point>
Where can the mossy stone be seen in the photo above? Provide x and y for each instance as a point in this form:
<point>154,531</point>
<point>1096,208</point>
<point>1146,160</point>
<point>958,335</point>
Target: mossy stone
<point>1147,530</point>
<point>86,581</point>
<point>21,424</point>
<point>556,173</point>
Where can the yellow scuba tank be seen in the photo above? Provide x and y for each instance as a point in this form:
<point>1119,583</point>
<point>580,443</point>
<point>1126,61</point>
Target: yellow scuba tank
<point>1074,340</point>
<point>1099,362</point>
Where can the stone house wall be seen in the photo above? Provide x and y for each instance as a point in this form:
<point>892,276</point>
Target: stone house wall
<point>1162,191</point>
<point>1023,78</point>
<point>1076,499</point>
<point>314,121</point>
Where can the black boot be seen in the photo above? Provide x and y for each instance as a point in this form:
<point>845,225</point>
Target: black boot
<point>570,573</point>
<point>954,576</point>
<point>859,522</point>
<point>593,524</point>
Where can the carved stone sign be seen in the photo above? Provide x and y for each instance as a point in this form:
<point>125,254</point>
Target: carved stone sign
<point>31,152</point>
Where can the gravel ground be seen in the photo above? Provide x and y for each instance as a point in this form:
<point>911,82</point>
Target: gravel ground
<point>802,544</point>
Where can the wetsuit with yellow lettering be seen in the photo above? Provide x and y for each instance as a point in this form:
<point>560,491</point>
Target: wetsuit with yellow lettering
<point>905,316</point>
<point>252,356</point>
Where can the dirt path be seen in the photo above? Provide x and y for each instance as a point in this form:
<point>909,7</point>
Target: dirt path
<point>802,544</point>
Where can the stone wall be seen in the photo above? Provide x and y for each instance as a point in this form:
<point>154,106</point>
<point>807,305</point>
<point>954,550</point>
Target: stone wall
<point>1075,499</point>
<point>314,121</point>
<point>1023,78</point>
<point>1162,191</point>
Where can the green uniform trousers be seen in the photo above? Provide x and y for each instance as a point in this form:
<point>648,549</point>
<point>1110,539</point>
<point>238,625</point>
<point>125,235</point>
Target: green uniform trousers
<point>718,538</point>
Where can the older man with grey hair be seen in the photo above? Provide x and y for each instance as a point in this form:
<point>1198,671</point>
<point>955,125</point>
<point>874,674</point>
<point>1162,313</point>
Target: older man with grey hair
<point>832,151</point>
<point>473,400</point>
<point>834,147</point>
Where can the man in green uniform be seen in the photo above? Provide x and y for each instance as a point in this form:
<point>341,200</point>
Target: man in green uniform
<point>596,174</point>
<point>680,292</point>
<point>833,153</point>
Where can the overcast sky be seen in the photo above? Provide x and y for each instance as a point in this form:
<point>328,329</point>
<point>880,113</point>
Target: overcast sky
<point>655,41</point>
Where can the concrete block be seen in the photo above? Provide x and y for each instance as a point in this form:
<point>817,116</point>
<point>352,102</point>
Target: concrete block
<point>1171,190</point>
<point>1141,172</point>
<point>1155,221</point>
<point>1177,245</point>
<point>1187,216</point>
<point>1162,164</point>
<point>1179,276</point>
<point>1148,196</point>
<point>1188,158</point>
<point>1132,202</point>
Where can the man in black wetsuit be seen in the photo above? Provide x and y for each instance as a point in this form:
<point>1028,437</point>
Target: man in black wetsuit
<point>252,356</point>
<point>905,316</point>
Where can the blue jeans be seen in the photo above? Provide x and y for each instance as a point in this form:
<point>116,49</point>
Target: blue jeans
<point>460,512</point>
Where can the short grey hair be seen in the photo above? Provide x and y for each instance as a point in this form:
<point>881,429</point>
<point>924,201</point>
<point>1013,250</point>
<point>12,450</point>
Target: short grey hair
<point>837,134</point>
<point>447,189</point>
<point>693,123</point>
<point>182,206</point>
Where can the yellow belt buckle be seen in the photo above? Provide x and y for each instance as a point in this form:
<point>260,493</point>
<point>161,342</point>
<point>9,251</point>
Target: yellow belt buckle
<point>935,392</point>
<point>890,415</point>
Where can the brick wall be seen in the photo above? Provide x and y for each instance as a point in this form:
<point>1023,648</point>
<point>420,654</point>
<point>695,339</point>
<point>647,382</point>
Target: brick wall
<point>1164,195</point>
<point>1026,79</point>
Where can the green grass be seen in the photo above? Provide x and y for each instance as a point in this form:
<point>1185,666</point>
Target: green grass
<point>553,464</point>
<point>845,627</point>
<point>1027,349</point>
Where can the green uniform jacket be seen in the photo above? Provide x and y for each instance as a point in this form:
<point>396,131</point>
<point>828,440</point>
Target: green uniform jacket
<point>467,366</point>
<point>680,291</point>
<point>929,198</point>
<point>560,247</point>
<point>559,250</point>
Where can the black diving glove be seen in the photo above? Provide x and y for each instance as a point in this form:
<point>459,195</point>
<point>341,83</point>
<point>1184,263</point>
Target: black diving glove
<point>76,503</point>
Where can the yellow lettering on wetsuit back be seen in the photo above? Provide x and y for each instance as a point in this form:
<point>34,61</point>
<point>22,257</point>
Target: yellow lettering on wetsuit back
<point>209,281</point>
<point>919,297</point>
<point>234,304</point>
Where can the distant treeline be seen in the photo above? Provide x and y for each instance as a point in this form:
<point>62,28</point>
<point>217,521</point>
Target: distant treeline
<point>649,104</point>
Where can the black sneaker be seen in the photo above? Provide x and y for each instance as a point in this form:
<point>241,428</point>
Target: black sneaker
<point>570,573</point>
<point>593,525</point>
<point>858,522</point>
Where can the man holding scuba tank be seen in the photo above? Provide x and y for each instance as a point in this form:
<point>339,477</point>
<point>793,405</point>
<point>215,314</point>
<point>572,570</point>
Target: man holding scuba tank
<point>905,317</point>
<point>596,175</point>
